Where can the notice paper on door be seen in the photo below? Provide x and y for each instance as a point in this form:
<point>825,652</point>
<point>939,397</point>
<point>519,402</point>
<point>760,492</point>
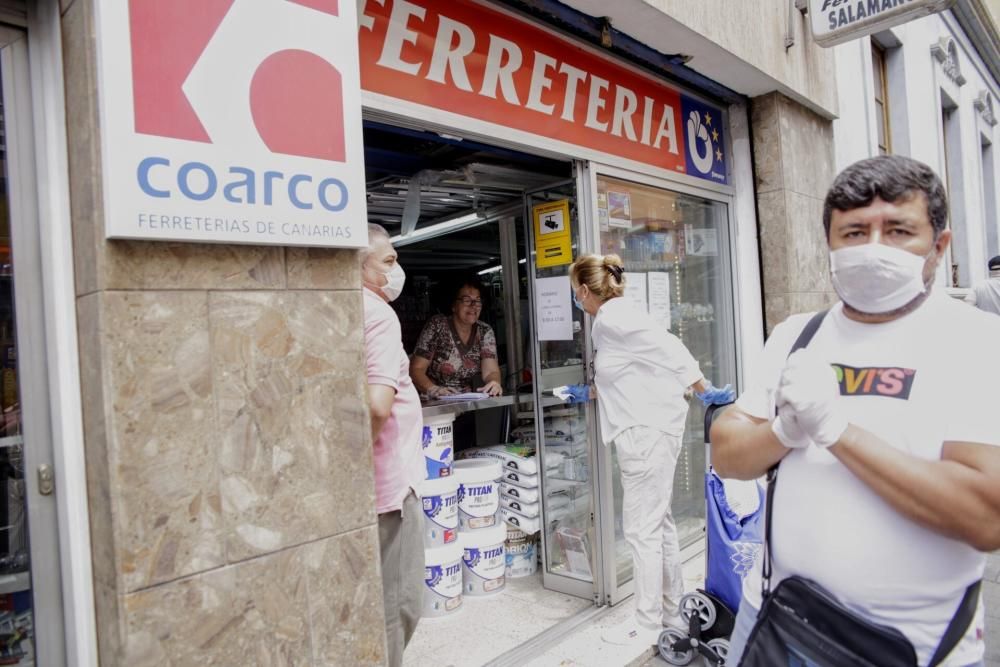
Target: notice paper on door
<point>635,290</point>
<point>554,308</point>
<point>659,297</point>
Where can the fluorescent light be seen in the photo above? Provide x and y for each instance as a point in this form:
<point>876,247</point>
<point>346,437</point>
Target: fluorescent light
<point>494,269</point>
<point>424,233</point>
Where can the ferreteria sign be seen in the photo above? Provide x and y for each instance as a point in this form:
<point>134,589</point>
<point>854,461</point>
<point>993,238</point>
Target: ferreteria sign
<point>837,21</point>
<point>235,121</point>
<point>470,66</point>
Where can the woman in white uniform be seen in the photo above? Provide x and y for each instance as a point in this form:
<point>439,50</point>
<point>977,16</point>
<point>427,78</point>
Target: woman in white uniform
<point>642,373</point>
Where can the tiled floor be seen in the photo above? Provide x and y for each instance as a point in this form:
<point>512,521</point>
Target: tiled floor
<point>488,627</point>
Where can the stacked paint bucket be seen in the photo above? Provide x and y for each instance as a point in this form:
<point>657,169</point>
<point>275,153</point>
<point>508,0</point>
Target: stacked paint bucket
<point>481,530</point>
<point>439,497</point>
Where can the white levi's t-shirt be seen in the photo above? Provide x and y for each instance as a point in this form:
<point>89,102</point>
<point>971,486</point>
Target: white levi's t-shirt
<point>916,382</point>
<point>641,371</point>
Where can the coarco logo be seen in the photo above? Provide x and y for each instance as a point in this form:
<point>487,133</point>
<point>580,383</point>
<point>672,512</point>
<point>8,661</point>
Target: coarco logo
<point>891,382</point>
<point>290,100</point>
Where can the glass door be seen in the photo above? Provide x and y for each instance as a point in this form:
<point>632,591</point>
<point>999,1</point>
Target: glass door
<point>675,245</point>
<point>570,547</point>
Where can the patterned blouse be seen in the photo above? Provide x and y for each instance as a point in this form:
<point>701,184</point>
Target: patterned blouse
<point>453,363</point>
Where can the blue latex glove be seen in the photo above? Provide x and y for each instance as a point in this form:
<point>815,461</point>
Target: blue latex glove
<point>573,393</point>
<point>716,395</point>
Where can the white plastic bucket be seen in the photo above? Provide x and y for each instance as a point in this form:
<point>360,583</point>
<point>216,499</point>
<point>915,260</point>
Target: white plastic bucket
<point>439,498</point>
<point>521,554</point>
<point>483,562</point>
<point>438,442</point>
<point>442,580</point>
<point>478,493</point>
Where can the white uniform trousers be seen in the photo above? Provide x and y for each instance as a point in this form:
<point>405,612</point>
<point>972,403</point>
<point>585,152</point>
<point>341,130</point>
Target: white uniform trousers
<point>647,458</point>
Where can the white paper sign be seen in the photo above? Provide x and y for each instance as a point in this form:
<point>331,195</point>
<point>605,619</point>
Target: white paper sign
<point>635,290</point>
<point>235,123</point>
<point>554,308</point>
<point>659,297</point>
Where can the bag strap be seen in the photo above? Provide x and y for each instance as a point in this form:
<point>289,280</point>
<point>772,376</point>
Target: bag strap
<point>966,608</point>
<point>806,335</point>
<point>959,624</point>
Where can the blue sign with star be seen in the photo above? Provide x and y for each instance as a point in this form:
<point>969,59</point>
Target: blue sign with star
<point>704,142</point>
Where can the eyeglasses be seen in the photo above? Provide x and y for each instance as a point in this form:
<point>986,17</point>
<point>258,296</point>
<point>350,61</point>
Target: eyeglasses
<point>469,301</point>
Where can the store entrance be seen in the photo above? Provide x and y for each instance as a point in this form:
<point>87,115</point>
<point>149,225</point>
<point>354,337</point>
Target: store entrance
<point>462,216</point>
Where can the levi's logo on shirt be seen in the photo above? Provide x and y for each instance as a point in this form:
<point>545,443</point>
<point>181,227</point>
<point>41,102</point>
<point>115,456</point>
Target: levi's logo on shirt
<point>891,382</point>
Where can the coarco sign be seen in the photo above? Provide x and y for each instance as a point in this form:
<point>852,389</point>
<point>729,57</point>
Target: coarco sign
<point>232,121</point>
<point>836,21</point>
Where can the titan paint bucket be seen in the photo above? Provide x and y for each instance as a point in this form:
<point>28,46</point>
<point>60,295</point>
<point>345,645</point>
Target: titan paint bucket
<point>483,562</point>
<point>521,555</point>
<point>439,498</point>
<point>442,580</point>
<point>478,493</point>
<point>439,445</point>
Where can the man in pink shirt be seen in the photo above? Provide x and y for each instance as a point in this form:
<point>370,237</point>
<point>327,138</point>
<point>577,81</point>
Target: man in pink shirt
<point>397,424</point>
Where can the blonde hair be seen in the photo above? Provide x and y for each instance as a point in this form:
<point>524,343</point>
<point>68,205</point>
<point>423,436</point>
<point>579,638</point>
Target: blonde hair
<point>604,275</point>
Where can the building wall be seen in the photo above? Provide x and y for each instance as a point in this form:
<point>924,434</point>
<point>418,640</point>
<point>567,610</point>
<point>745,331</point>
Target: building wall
<point>793,168</point>
<point>918,86</point>
<point>226,433</point>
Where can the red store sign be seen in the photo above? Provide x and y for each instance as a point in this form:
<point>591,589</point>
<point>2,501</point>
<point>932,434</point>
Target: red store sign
<point>466,58</point>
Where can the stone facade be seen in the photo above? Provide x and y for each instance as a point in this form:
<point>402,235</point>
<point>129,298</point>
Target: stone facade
<point>793,168</point>
<point>228,451</point>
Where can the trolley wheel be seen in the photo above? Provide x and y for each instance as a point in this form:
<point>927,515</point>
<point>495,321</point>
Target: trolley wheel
<point>721,648</point>
<point>665,644</point>
<point>697,604</point>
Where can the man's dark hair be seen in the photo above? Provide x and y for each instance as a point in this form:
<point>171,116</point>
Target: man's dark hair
<point>994,263</point>
<point>891,178</point>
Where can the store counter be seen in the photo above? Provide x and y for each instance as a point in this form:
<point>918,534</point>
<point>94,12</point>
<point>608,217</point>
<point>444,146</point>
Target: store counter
<point>438,408</point>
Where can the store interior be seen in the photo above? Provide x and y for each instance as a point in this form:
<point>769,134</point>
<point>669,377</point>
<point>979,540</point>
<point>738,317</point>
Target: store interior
<point>462,180</point>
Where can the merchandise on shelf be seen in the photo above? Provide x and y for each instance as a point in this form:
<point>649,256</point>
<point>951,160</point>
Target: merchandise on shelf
<point>442,580</point>
<point>478,493</point>
<point>439,498</point>
<point>483,561</point>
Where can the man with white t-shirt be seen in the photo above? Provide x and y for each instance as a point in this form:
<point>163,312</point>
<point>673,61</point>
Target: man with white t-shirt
<point>985,295</point>
<point>887,433</point>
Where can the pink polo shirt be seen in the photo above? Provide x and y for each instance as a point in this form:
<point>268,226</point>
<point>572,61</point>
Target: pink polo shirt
<point>399,457</point>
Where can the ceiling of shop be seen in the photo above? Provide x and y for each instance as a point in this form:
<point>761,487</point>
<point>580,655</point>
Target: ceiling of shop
<point>455,176</point>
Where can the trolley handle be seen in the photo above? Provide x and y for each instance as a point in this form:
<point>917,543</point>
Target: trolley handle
<point>710,413</point>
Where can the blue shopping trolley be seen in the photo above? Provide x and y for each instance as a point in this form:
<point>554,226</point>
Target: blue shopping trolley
<point>732,543</point>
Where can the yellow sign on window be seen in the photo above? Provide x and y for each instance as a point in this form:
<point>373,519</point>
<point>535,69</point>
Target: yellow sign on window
<point>553,241</point>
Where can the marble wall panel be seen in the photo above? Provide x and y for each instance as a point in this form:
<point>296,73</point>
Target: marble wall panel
<point>163,436</point>
<point>806,302</point>
<point>808,251</point>
<point>807,149</point>
<point>771,219</point>
<point>767,143</point>
<point>345,600</point>
<point>322,268</point>
<point>290,397</point>
<point>253,613</point>
<point>158,265</point>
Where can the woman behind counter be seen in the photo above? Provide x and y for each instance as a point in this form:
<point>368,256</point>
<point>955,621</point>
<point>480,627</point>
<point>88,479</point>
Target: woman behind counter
<point>457,353</point>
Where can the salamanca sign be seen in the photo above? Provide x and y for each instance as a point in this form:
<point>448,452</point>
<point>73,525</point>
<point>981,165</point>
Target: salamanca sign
<point>837,21</point>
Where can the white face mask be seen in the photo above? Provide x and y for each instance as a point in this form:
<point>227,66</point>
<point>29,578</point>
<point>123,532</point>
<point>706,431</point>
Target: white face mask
<point>874,278</point>
<point>395,278</point>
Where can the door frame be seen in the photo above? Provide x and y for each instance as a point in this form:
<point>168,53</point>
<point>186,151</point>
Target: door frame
<point>63,594</point>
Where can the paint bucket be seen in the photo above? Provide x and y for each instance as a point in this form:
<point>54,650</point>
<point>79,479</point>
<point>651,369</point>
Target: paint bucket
<point>442,580</point>
<point>439,498</point>
<point>438,442</point>
<point>483,562</point>
<point>478,493</point>
<point>520,554</point>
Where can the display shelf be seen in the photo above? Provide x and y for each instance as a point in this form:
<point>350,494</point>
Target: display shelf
<point>437,408</point>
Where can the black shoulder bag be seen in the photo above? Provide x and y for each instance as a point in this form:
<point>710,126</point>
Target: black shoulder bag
<point>801,623</point>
